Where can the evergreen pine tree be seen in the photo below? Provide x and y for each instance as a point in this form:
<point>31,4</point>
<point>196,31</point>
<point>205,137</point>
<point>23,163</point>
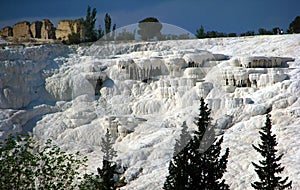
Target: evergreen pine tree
<point>178,166</point>
<point>200,33</point>
<point>107,23</point>
<point>269,166</point>
<point>198,165</point>
<point>295,26</point>
<point>109,168</point>
<point>100,32</point>
<point>206,165</point>
<point>113,35</point>
<point>89,24</point>
<point>107,147</point>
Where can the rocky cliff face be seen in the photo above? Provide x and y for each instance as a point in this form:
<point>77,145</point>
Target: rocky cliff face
<point>45,30</point>
<point>36,28</point>
<point>6,31</point>
<point>68,27</point>
<point>48,30</point>
<point>22,30</point>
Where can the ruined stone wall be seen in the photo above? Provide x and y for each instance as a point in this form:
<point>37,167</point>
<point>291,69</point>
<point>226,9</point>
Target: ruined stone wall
<point>63,30</point>
<point>6,32</point>
<point>36,28</point>
<point>45,30</point>
<point>67,27</point>
<point>48,30</point>
<point>22,30</point>
<point>79,28</point>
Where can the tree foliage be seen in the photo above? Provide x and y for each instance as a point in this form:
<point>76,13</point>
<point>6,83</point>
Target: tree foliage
<point>277,30</point>
<point>294,26</point>
<point>262,31</point>
<point>248,33</point>
<point>89,25</point>
<point>25,165</point>
<point>109,28</point>
<point>74,38</point>
<point>100,32</point>
<point>178,177</point>
<point>232,35</point>
<point>199,164</point>
<point>113,32</point>
<point>109,169</point>
<point>17,164</point>
<point>109,177</point>
<point>269,166</point>
<point>200,33</point>
<point>107,22</point>
<point>107,147</point>
<point>208,166</point>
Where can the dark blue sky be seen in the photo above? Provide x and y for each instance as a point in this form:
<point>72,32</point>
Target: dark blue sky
<point>220,15</point>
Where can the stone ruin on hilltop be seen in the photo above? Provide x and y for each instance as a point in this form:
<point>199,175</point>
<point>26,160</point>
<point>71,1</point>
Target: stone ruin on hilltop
<point>44,30</point>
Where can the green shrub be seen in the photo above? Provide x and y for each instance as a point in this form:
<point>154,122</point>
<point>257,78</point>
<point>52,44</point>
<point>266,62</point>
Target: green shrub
<point>295,26</point>
<point>26,165</point>
<point>74,38</point>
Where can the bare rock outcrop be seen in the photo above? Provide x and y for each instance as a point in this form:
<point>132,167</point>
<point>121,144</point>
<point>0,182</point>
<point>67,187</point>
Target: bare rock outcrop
<point>22,30</point>
<point>6,32</point>
<point>36,28</point>
<point>48,30</point>
<point>67,27</point>
<point>45,30</point>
